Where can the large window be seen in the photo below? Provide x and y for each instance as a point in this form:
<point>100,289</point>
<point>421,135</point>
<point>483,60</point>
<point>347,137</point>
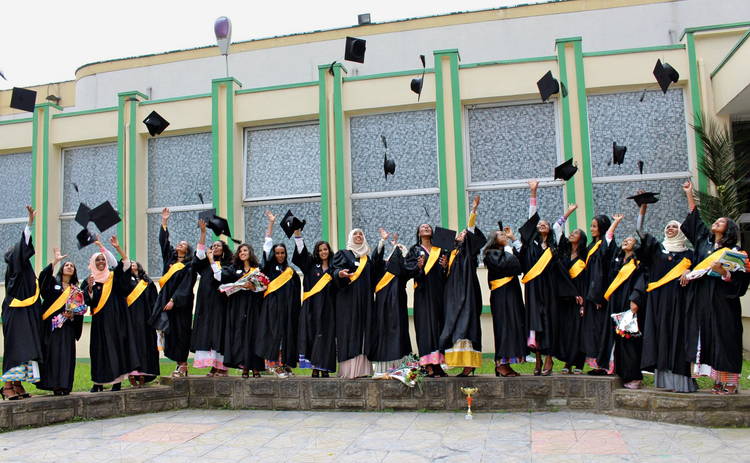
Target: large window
<point>282,172</point>
<point>508,145</point>
<point>652,126</point>
<point>179,168</point>
<point>407,199</point>
<point>94,169</point>
<point>15,189</point>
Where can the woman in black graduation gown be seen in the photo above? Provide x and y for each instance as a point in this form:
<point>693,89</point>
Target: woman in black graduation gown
<point>175,297</point>
<point>506,302</point>
<point>113,356</point>
<point>665,320</point>
<point>241,314</point>
<point>715,334</point>
<point>22,345</point>
<point>316,341</point>
<point>388,323</point>
<point>354,275</point>
<point>210,306</point>
<point>462,333</point>
<point>276,331</point>
<point>427,263</point>
<point>59,342</point>
<point>140,300</point>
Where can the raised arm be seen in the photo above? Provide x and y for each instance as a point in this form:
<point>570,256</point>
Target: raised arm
<point>166,246</point>
<point>268,241</point>
<point>611,231</point>
<point>557,227</point>
<point>473,214</point>
<point>116,244</point>
<point>301,257</point>
<point>533,207</point>
<point>687,187</point>
<point>200,251</point>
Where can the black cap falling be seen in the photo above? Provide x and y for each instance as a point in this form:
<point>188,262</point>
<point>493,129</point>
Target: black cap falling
<point>355,50</point>
<point>290,223</point>
<point>646,197</point>
<point>220,226</point>
<point>389,165</point>
<point>618,153</point>
<point>84,238</point>
<point>444,238</point>
<point>104,216</point>
<point>418,82</point>
<point>83,215</point>
<point>566,170</point>
<point>640,166</point>
<point>23,99</point>
<point>207,215</point>
<point>665,75</point>
<point>155,123</point>
<point>548,86</point>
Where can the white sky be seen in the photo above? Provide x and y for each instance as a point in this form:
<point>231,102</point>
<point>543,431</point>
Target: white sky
<point>46,41</point>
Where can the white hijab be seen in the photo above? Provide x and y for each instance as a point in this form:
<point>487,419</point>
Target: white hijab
<point>677,243</point>
<point>359,250</point>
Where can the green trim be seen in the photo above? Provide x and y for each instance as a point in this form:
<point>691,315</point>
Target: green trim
<point>215,142</point>
<point>731,52</point>
<point>49,105</point>
<point>447,51</point>
<point>226,79</point>
<point>695,99</point>
<point>410,72</point>
<point>568,39</point>
<point>535,59</point>
<point>176,98</point>
<point>132,179</point>
<point>83,113</point>
<point>440,116</point>
<point>120,149</point>
<point>458,139</point>
<point>583,113</point>
<point>34,156</point>
<point>17,121</point>
<point>277,87</point>
<point>45,179</point>
<point>230,152</point>
<point>716,27</point>
<point>570,188</point>
<point>134,93</point>
<point>325,211</point>
<point>677,46</point>
<point>338,128</point>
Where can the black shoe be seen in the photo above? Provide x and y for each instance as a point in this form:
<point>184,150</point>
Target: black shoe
<point>316,374</point>
<point>324,374</point>
<point>467,372</point>
<point>97,388</point>
<point>116,387</point>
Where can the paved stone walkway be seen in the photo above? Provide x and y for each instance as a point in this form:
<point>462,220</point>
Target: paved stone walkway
<point>245,435</point>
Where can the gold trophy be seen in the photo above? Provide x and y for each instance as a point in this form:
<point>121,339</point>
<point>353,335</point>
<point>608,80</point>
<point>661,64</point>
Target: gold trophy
<point>468,391</point>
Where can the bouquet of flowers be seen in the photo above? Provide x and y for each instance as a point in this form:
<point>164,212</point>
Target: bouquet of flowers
<point>408,372</point>
<point>626,324</point>
<point>74,305</point>
<point>256,278</point>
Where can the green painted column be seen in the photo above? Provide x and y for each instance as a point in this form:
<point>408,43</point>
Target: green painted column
<point>41,148</point>
<point>227,157</point>
<point>694,86</point>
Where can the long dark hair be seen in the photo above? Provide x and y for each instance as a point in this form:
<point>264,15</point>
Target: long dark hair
<point>580,248</point>
<point>226,253</point>
<point>272,256</point>
<point>603,223</point>
<point>188,254</point>
<point>731,236</point>
<point>142,273</point>
<point>316,252</point>
<point>252,260</point>
<point>419,240</point>
<point>73,277</point>
<point>492,242</point>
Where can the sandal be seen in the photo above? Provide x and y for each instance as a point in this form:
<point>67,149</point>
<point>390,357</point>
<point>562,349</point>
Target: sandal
<point>505,371</point>
<point>221,373</point>
<point>20,391</point>
<point>468,371</point>
<point>718,387</point>
<point>315,374</point>
<point>9,393</point>
<point>211,373</point>
<point>256,374</point>
<point>325,375</point>
<point>246,373</point>
<point>729,389</point>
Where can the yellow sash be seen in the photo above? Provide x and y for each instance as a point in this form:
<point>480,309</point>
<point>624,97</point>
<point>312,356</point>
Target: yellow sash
<point>452,257</point>
<point>174,268</point>
<point>279,281</point>
<point>384,281</point>
<point>106,291</point>
<point>434,256</point>
<point>317,287</point>
<point>621,277</point>
<point>539,267</point>
<point>362,264</point>
<point>499,283</point>
<point>28,301</point>
<point>713,257</point>
<point>136,292</point>
<point>58,304</point>
<point>593,250</point>
<point>673,274</point>
<point>576,269</point>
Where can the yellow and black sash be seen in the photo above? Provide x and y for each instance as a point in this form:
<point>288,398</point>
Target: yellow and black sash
<point>579,265</point>
<point>174,268</point>
<point>360,269</point>
<point>431,260</point>
<point>279,281</point>
<point>317,287</point>
<point>384,281</point>
<point>713,257</point>
<point>452,257</point>
<point>539,267</point>
<point>673,274</point>
<point>136,292</point>
<point>499,283</point>
<point>28,301</point>
<point>58,304</point>
<point>106,291</point>
<point>622,277</point>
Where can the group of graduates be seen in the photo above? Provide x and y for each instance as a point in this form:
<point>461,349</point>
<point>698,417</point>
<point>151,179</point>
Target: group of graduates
<point>551,294</point>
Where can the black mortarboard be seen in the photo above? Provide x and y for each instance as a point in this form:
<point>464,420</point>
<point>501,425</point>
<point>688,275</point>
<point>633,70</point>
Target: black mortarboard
<point>389,165</point>
<point>355,50</point>
<point>155,123</point>
<point>665,75</point>
<point>207,215</point>
<point>500,225</point>
<point>548,86</point>
<point>104,216</point>
<point>618,153</point>
<point>566,170</point>
<point>640,166</point>
<point>418,82</point>
<point>23,99</point>
<point>290,223</point>
<point>84,238</point>
<point>444,238</point>
<point>83,215</point>
<point>644,198</point>
<point>220,226</point>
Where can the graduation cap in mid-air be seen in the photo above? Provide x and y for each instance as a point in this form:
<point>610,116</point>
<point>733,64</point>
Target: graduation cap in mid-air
<point>104,216</point>
<point>23,99</point>
<point>355,50</point>
<point>418,82</point>
<point>155,123</point>
<point>83,214</point>
<point>665,75</point>
<point>566,170</point>
<point>389,165</point>
<point>84,238</point>
<point>618,153</point>
<point>646,197</point>
<point>640,166</point>
<point>549,86</point>
<point>444,238</point>
<point>290,223</point>
<point>220,226</point>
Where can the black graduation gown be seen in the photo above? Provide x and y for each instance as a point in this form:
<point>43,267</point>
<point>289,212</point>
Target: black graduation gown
<point>506,302</point>
<point>241,319</point>
<point>354,301</point>
<point>569,347</point>
<point>463,297</point>
<point>595,320</point>
<point>388,323</point>
<point>112,354</point>
<point>429,308</point>
<point>210,309</point>
<point>21,325</point>
<point>665,320</point>
<point>179,288</point>
<point>59,346</point>
<point>316,339</point>
<point>144,335</point>
<point>713,306</point>
<point>278,317</point>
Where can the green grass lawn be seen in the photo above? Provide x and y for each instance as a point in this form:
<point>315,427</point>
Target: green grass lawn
<point>83,373</point>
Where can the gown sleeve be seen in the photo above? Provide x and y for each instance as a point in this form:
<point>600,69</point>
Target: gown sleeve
<point>504,264</point>
<point>18,266</point>
<point>528,229</point>
<point>302,259</point>
<point>694,228</point>
<point>166,247</point>
<point>47,282</point>
<point>648,249</point>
